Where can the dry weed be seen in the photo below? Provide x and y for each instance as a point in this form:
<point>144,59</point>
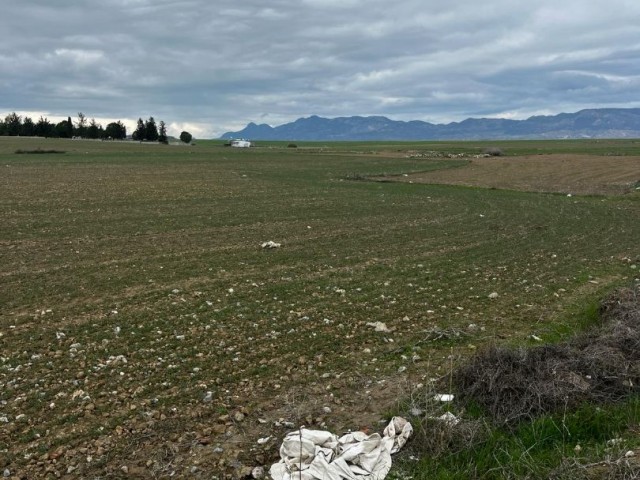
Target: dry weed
<point>599,366</point>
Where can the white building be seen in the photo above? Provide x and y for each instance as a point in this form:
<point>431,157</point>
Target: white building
<point>240,143</point>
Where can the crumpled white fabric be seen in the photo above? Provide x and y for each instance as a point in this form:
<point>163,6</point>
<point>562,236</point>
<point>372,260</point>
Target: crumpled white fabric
<point>320,455</point>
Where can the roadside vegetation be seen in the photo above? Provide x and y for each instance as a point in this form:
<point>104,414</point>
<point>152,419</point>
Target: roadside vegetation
<point>568,409</point>
<point>144,330</point>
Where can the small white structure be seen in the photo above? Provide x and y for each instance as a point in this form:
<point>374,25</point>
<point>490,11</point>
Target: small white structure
<point>240,143</point>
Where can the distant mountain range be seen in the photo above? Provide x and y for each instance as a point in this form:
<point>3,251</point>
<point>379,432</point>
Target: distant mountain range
<point>592,123</point>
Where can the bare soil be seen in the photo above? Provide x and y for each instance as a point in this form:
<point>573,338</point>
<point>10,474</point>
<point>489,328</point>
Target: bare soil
<point>567,173</point>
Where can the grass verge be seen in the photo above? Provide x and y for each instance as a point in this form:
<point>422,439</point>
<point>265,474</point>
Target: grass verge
<point>536,412</point>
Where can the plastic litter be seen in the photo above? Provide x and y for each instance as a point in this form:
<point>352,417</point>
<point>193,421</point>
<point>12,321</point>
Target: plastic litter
<point>320,455</point>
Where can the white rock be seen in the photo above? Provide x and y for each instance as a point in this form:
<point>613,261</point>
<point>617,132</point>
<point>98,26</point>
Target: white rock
<point>443,397</point>
<point>271,244</point>
<point>449,418</point>
<point>257,473</point>
<point>379,326</point>
<point>262,441</point>
<point>494,295</point>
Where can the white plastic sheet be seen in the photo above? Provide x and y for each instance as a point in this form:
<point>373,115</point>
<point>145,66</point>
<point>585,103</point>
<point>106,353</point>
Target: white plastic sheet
<point>320,455</point>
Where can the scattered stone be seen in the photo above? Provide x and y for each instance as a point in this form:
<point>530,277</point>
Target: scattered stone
<point>379,326</point>
<point>416,412</point>
<point>443,397</point>
<point>493,295</point>
<point>238,417</point>
<point>257,473</point>
<point>245,471</point>
<point>219,429</point>
<point>271,244</point>
<point>262,441</point>
<point>449,418</point>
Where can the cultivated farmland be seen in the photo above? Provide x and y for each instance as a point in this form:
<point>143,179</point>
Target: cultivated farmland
<point>145,332</point>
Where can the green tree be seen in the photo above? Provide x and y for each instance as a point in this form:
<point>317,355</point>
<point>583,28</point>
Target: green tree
<point>81,125</point>
<point>69,129</point>
<point>162,133</point>
<point>116,131</point>
<point>44,128</point>
<point>151,130</point>
<point>62,129</point>
<point>28,127</point>
<point>94,129</point>
<point>13,124</point>
<point>140,131</point>
<point>186,137</point>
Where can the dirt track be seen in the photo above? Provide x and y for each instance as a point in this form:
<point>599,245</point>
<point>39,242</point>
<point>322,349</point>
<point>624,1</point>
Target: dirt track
<point>575,174</point>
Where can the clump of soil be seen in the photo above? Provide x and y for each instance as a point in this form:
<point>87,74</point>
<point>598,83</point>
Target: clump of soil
<point>602,365</point>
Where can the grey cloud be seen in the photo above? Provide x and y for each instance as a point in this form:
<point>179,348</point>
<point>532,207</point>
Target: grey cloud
<point>223,64</point>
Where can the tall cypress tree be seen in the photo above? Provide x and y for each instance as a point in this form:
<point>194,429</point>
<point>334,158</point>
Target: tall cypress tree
<point>151,130</point>
<point>162,133</point>
<point>69,129</point>
<point>140,131</point>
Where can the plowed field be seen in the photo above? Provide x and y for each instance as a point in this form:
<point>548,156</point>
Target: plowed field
<point>569,173</point>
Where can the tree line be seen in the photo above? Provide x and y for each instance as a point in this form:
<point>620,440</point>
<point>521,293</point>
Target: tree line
<point>14,125</point>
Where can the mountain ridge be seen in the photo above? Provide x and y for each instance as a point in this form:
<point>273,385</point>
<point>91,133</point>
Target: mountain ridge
<point>587,123</point>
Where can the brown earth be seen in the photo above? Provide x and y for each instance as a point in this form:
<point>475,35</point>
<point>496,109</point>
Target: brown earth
<point>567,173</point>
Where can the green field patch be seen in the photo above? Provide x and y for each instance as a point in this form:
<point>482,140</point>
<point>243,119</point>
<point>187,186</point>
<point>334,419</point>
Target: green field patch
<point>150,253</point>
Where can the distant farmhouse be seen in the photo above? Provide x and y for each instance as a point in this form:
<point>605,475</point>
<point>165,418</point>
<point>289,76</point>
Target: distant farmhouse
<point>240,143</point>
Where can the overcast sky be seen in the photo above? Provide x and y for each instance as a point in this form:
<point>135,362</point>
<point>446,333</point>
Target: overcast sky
<point>213,66</point>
